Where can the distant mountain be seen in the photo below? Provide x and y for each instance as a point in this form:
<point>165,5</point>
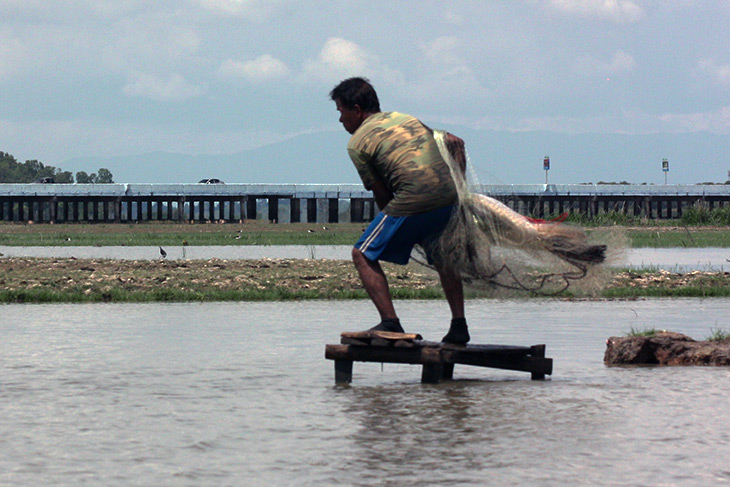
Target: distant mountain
<point>318,158</point>
<point>497,157</point>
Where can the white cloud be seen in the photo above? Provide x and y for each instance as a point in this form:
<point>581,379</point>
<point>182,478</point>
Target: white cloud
<point>175,88</point>
<point>447,61</point>
<point>453,18</point>
<point>716,121</point>
<point>720,73</point>
<point>256,10</point>
<point>620,62</point>
<point>263,68</point>
<point>341,58</point>
<point>631,121</point>
<point>444,50</point>
<point>447,77</point>
<point>619,11</point>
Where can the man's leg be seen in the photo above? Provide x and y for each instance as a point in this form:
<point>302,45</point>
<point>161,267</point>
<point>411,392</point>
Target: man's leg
<point>376,285</point>
<point>454,291</point>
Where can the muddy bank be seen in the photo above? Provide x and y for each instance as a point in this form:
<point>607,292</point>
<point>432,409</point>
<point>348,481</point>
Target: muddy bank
<point>27,279</point>
<point>42,279</point>
<point>666,348</point>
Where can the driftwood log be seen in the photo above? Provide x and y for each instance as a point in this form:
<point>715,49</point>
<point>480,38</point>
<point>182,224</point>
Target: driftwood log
<point>665,348</point>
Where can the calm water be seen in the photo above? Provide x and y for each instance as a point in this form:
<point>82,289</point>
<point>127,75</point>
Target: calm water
<point>679,259</point>
<point>240,394</point>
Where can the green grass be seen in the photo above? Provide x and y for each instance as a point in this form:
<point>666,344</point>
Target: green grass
<point>680,237</point>
<point>643,332</point>
<point>718,335</point>
<point>176,295</point>
<point>153,234</point>
<point>663,292</point>
<point>286,234</point>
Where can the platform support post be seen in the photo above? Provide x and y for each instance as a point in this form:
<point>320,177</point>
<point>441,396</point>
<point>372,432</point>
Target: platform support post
<point>537,351</point>
<point>432,373</point>
<point>448,371</point>
<point>343,371</point>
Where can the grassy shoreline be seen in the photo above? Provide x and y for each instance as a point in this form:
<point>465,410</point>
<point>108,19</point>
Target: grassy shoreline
<point>50,280</point>
<point>176,234</point>
<point>260,233</point>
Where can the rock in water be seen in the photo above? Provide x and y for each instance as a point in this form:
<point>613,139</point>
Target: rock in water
<point>665,348</point>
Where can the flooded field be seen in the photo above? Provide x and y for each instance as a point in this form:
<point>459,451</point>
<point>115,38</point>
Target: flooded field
<point>240,394</point>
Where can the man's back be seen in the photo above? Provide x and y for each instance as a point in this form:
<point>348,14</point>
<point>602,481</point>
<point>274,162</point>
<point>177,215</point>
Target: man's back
<point>401,152</point>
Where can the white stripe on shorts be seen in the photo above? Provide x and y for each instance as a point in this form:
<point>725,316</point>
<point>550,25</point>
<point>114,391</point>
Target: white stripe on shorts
<point>373,235</point>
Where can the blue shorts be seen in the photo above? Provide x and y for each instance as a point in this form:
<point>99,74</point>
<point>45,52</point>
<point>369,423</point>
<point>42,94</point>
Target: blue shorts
<point>391,238</point>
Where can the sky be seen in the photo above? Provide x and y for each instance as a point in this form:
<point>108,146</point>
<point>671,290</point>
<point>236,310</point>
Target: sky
<point>103,78</point>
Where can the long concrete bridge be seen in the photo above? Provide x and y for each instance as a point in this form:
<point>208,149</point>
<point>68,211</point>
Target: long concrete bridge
<point>284,203</point>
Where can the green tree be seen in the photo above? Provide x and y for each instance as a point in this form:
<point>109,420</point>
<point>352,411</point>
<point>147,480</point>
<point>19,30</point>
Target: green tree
<point>83,178</point>
<point>64,176</point>
<point>8,168</point>
<point>105,176</point>
<point>12,171</point>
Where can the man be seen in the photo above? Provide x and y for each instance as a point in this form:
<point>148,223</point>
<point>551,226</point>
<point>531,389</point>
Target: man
<point>398,159</point>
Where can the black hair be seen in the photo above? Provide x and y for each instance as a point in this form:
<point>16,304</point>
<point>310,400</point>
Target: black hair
<point>356,91</point>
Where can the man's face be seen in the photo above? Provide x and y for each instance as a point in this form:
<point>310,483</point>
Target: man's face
<point>350,118</point>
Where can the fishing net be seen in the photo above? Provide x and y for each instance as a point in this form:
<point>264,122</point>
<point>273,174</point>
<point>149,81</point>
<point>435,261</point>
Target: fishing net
<point>494,247</point>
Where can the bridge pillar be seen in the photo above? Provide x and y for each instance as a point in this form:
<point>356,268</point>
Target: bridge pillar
<point>295,210</point>
<point>311,210</point>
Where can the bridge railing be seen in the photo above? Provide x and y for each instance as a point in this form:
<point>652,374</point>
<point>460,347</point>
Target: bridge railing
<point>322,202</point>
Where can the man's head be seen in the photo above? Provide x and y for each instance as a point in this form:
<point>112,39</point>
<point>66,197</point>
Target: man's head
<point>356,100</point>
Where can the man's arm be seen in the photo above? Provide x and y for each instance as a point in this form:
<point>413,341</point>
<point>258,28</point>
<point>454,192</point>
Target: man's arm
<point>381,193</point>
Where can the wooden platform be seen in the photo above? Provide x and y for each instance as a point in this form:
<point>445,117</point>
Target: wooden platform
<point>438,359</point>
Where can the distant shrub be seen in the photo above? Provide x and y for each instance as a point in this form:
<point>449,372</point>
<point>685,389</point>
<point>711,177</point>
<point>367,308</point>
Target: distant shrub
<point>608,218</point>
<point>700,214</point>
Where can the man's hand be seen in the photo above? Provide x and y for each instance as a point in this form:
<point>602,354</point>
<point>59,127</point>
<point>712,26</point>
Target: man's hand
<point>456,149</point>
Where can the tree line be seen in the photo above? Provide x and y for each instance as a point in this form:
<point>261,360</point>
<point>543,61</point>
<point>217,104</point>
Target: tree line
<point>12,171</point>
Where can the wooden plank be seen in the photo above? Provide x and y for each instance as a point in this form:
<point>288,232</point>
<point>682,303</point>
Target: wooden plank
<point>386,335</point>
<point>514,350</point>
<point>378,338</point>
<point>526,363</point>
<point>415,355</point>
<point>354,341</point>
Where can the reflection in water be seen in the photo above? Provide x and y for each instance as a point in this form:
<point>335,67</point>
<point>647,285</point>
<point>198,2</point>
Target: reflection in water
<point>542,433</point>
<point>443,430</point>
<point>469,432</point>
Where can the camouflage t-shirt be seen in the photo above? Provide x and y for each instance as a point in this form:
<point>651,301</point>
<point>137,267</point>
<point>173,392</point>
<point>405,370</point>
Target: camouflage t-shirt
<point>400,151</point>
